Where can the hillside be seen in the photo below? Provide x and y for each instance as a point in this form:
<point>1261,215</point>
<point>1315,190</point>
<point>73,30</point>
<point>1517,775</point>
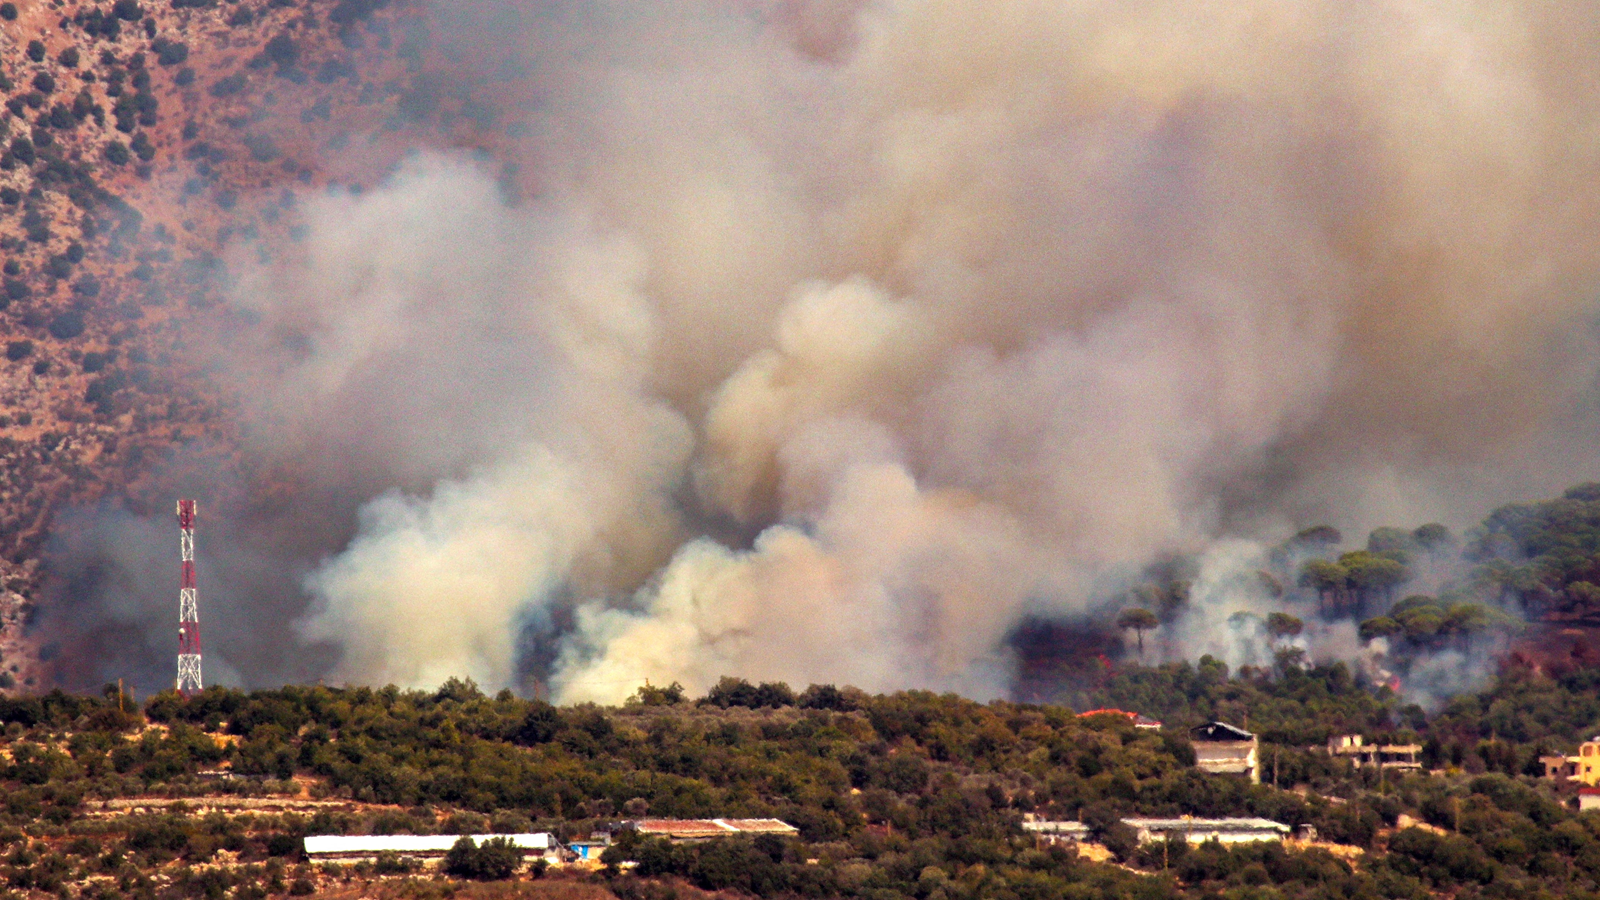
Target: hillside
<point>906,795</point>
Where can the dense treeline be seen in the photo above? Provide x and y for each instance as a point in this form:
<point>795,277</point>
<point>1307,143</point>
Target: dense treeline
<point>904,795</point>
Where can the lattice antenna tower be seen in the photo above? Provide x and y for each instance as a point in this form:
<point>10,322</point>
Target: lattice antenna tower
<point>188,607</point>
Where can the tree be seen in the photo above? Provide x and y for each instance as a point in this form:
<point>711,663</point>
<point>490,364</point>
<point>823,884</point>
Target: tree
<point>1434,538</point>
<point>1282,625</point>
<point>1380,626</point>
<point>1395,543</point>
<point>1328,579</point>
<point>1372,576</point>
<point>654,695</point>
<point>1321,536</point>
<point>493,860</point>
<point>1466,620</point>
<point>1140,620</point>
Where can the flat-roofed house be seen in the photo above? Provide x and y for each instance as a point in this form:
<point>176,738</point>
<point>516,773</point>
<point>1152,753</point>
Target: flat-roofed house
<point>1221,748</point>
<point>1380,756</point>
<point>1056,832</point>
<point>1198,831</point>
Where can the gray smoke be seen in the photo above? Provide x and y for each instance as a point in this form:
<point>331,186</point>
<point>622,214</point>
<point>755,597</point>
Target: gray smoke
<point>833,338</point>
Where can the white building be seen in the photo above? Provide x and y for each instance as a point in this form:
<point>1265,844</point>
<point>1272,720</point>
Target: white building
<point>1198,831</point>
<point>361,846</point>
<point>1056,832</point>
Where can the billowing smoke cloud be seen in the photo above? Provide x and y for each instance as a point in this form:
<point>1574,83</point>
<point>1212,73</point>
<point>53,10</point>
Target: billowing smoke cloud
<point>834,338</point>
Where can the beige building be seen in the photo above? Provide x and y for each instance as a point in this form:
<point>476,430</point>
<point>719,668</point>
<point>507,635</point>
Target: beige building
<point>1221,748</point>
<point>1585,767</point>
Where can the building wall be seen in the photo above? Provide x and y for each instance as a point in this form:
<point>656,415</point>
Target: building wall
<point>1589,763</point>
<point>1230,757</point>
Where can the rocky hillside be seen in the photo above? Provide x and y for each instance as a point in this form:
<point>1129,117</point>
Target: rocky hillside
<point>146,143</point>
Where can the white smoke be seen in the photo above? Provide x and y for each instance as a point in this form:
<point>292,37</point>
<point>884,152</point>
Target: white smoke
<point>841,336</point>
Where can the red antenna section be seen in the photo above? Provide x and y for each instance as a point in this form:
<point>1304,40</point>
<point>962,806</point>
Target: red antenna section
<point>188,607</point>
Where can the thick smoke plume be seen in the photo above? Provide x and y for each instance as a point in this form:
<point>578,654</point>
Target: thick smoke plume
<point>831,339</point>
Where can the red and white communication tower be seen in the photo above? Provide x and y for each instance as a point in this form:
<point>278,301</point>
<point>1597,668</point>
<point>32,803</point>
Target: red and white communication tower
<point>188,607</point>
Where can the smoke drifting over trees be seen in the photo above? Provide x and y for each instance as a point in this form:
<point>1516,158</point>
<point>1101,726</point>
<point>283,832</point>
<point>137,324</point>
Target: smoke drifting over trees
<point>829,340</point>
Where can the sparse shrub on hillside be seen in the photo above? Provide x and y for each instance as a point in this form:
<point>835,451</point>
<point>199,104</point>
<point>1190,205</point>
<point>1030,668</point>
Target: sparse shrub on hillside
<point>228,86</point>
<point>170,53</point>
<point>87,286</point>
<point>262,148</point>
<point>149,27</point>
<point>117,153</point>
<point>97,23</point>
<point>69,58</point>
<point>126,114</point>
<point>94,361</point>
<point>142,147</point>
<point>184,78</point>
<point>242,16</point>
<point>42,367</point>
<point>17,289</point>
<point>61,117</point>
<point>8,11</point>
<point>10,196</point>
<point>334,69</point>
<point>67,325</point>
<point>44,83</point>
<point>36,50</point>
<point>17,351</point>
<point>58,266</point>
<point>22,149</point>
<point>12,267</point>
<point>127,10</point>
<point>347,12</point>
<point>283,50</point>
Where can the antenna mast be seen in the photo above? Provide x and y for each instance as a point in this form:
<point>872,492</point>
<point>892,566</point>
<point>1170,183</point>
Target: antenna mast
<point>188,607</point>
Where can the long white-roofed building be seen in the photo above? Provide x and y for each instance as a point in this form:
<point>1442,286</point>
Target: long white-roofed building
<point>362,846</point>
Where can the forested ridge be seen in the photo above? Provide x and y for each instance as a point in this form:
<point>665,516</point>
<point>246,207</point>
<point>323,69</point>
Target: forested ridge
<point>903,795</point>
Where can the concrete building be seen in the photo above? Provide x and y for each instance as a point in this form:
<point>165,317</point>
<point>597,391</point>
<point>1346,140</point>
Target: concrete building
<point>1585,766</point>
<point>1048,833</point>
<point>1560,767</point>
<point>1380,756</point>
<point>1588,762</point>
<point>682,831</point>
<point>1221,748</point>
<point>423,846</point>
<point>1198,831</point>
